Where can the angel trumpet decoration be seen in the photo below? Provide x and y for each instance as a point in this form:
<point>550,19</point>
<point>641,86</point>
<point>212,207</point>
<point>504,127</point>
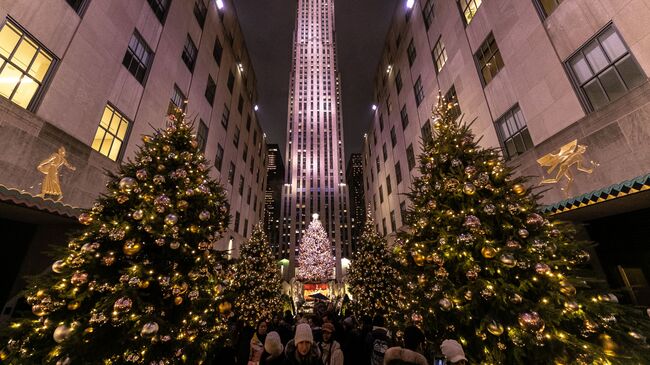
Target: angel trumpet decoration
<point>570,154</point>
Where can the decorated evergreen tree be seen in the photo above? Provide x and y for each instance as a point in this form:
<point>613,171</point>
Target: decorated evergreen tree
<point>141,283</point>
<point>315,259</point>
<point>485,266</point>
<point>375,283</point>
<point>257,285</point>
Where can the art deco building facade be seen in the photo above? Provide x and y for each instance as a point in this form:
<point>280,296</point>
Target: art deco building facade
<point>536,76</point>
<point>273,196</point>
<point>93,77</point>
<point>354,180</point>
<point>315,175</point>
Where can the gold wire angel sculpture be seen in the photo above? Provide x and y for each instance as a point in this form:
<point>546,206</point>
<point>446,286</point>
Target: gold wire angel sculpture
<point>50,167</point>
<point>570,154</point>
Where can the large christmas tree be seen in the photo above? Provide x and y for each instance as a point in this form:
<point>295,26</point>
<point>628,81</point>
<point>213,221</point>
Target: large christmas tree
<point>315,259</point>
<point>375,283</point>
<point>257,285</point>
<point>141,284</point>
<point>488,268</point>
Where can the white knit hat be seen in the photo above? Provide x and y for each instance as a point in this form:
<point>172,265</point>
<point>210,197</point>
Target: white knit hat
<point>452,350</point>
<point>272,344</point>
<point>303,333</point>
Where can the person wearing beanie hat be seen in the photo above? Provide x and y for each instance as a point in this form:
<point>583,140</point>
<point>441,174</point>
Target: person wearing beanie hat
<point>301,350</point>
<point>453,351</point>
<point>331,353</point>
<point>273,350</point>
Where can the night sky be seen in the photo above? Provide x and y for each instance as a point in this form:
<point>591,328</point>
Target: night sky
<point>361,27</point>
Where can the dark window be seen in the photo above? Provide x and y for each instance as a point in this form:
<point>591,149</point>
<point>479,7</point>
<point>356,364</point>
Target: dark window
<point>225,116</point>
<point>385,152</point>
<point>439,54</point>
<point>405,117</point>
<point>410,51</point>
<point>248,123</point>
<point>398,41</point>
<point>241,185</point>
<point>24,65</point>
<point>381,195</point>
<point>427,133</point>
<point>231,81</point>
<point>210,90</point>
<point>388,106</point>
<point>200,11</point>
<point>231,174</point>
<point>248,195</point>
<point>245,153</point>
<point>450,97</point>
<point>235,138</point>
<point>217,52</point>
<point>410,157</point>
<point>398,81</point>
<point>389,186</point>
<point>218,158</point>
<point>77,5</point>
<point>383,224</point>
<point>189,53</point>
<point>381,122</point>
<point>177,102</point>
<point>427,13</point>
<point>378,166</point>
<point>402,211</point>
<point>398,173</point>
<point>202,135</point>
<point>240,105</point>
<point>393,137</point>
<point>547,6</point>
<point>138,57</point>
<point>604,69</point>
<point>159,8</point>
<point>419,91</point>
<point>513,133</point>
<point>237,219</point>
<point>393,223</point>
<point>489,59</point>
<point>469,8</point>
<point>245,227</point>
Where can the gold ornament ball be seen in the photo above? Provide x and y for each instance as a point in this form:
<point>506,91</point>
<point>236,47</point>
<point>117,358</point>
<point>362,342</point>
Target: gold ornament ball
<point>516,298</point>
<point>567,289</point>
<point>39,310</point>
<point>127,184</point>
<point>508,260</point>
<point>85,219</point>
<point>178,300</point>
<point>194,228</point>
<point>495,328</point>
<point>469,189</point>
<point>519,189</point>
<point>174,245</point>
<point>419,259</point>
<point>144,284</point>
<point>468,295</point>
<point>138,214</point>
<point>147,139</point>
<point>445,304</point>
<point>609,346</point>
<point>61,333</point>
<point>542,268</point>
<point>130,248</point>
<point>488,252</point>
<point>531,321</point>
<point>73,306</point>
<point>204,215</point>
<point>58,266</point>
<point>79,278</point>
<point>123,304</point>
<point>571,306</point>
<point>149,329</point>
<point>171,219</point>
<point>225,307</point>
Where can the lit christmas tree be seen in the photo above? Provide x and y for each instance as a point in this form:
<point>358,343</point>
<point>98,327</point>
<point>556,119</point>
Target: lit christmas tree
<point>315,259</point>
<point>486,267</point>
<point>257,285</point>
<point>375,282</point>
<point>141,284</point>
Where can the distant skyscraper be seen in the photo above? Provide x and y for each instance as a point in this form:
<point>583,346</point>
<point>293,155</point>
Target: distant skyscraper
<point>354,180</point>
<point>273,196</point>
<point>314,181</point>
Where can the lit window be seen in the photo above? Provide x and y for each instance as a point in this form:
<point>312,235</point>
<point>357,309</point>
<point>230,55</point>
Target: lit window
<point>111,133</point>
<point>604,69</point>
<point>138,57</point>
<point>489,59</point>
<point>189,53</point>
<point>469,8</point>
<point>159,8</point>
<point>547,6</point>
<point>439,55</point>
<point>23,65</point>
<point>513,133</point>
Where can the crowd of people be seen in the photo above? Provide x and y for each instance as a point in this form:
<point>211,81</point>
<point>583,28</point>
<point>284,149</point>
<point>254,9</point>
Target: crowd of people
<point>328,339</point>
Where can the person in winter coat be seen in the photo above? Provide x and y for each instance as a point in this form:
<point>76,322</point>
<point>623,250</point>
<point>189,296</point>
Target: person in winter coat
<point>454,353</point>
<point>301,350</point>
<point>378,341</point>
<point>330,350</point>
<point>410,354</point>
<point>257,343</point>
<point>273,350</point>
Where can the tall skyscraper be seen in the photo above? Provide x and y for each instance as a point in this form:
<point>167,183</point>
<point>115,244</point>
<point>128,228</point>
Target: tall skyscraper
<point>315,174</point>
<point>272,199</point>
<point>354,179</point>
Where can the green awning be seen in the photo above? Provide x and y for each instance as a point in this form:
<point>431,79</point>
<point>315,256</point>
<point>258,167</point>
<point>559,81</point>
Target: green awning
<point>25,199</point>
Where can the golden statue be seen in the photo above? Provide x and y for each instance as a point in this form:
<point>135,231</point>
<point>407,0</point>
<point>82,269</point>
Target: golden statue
<point>50,167</point>
<point>570,154</point>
